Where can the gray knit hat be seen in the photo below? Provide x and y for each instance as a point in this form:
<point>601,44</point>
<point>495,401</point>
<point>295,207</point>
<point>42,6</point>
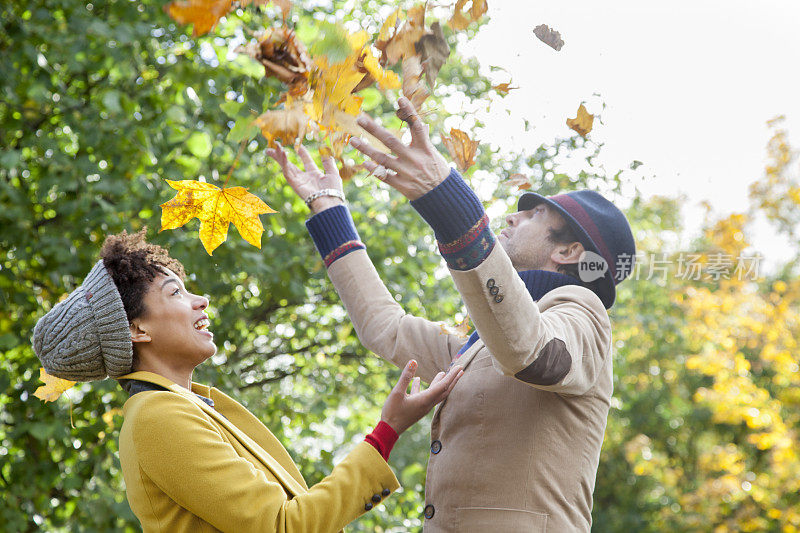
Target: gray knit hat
<point>86,336</point>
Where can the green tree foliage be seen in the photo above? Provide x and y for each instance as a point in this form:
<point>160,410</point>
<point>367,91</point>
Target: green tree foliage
<point>101,102</point>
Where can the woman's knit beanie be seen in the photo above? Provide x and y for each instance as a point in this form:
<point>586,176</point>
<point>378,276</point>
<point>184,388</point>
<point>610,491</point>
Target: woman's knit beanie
<point>86,337</point>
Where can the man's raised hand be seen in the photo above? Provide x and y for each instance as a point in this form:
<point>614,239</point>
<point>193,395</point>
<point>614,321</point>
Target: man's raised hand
<point>413,169</point>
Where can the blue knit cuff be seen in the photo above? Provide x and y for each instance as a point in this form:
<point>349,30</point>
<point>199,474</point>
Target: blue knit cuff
<point>334,233</point>
<point>459,222</point>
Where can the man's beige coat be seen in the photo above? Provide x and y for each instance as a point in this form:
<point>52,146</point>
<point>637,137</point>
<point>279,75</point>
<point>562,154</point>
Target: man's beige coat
<point>512,454</point>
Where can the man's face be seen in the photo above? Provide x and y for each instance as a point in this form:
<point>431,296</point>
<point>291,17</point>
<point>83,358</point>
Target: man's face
<point>175,322</point>
<point>525,240</point>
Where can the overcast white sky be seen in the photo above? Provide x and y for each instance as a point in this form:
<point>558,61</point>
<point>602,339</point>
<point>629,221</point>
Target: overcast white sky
<point>688,86</point>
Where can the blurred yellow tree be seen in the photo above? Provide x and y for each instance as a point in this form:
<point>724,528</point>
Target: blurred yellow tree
<point>707,397</point>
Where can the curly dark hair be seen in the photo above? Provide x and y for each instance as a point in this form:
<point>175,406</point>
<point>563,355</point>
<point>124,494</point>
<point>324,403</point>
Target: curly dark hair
<point>133,263</point>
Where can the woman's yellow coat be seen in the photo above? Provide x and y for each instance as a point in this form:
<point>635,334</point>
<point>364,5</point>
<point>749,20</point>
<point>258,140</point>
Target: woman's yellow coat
<point>190,467</point>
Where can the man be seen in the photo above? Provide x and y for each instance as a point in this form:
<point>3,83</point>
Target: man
<point>515,447</point>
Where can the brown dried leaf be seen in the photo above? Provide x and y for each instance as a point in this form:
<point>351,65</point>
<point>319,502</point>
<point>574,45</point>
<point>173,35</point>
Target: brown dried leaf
<point>581,123</point>
<point>520,181</point>
<point>284,57</point>
<point>461,148</point>
<point>504,88</point>
<point>434,51</point>
<point>548,36</point>
<point>413,87</point>
<point>401,42</point>
<point>286,7</point>
<point>461,19</point>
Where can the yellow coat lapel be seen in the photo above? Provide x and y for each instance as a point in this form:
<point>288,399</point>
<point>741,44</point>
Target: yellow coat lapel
<point>286,479</point>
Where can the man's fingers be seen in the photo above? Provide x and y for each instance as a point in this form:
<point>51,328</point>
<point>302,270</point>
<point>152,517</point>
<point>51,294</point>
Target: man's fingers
<point>382,134</point>
<point>408,113</point>
<point>308,161</point>
<point>373,153</point>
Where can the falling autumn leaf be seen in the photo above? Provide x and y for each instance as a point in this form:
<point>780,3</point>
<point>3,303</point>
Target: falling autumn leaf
<point>285,6</point>
<point>396,43</point>
<point>504,88</point>
<point>204,14</point>
<point>461,18</point>
<point>520,181</point>
<point>461,329</point>
<point>216,208</point>
<point>413,87</point>
<point>581,123</point>
<point>548,36</point>
<point>285,125</point>
<point>52,388</point>
<point>461,148</point>
<point>283,56</point>
<point>433,50</point>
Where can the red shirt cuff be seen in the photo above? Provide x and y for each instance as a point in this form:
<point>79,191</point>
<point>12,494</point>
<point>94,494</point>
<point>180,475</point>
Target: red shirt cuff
<point>383,438</point>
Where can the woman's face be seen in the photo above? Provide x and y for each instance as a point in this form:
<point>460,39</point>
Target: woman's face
<point>175,323</point>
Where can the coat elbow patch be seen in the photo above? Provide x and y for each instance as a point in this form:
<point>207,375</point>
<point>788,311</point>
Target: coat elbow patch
<point>550,367</point>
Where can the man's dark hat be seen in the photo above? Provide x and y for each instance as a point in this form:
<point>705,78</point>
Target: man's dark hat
<point>601,228</point>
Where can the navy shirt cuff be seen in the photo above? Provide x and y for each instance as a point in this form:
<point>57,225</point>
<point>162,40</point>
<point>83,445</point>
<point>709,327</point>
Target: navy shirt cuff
<point>334,233</point>
<point>459,222</point>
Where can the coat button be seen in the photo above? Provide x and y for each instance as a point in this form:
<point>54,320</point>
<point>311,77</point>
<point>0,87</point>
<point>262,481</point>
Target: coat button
<point>490,283</point>
<point>385,492</point>
<point>368,506</point>
<point>429,511</point>
<point>436,447</point>
<point>498,298</point>
<point>376,498</point>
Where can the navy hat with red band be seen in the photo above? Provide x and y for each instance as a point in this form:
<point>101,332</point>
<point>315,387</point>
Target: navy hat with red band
<point>601,227</point>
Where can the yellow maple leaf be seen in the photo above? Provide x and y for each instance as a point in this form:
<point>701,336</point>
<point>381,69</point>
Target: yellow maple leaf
<point>581,123</point>
<point>461,148</point>
<point>414,87</point>
<point>52,388</point>
<point>202,14</point>
<point>217,209</point>
<point>461,18</point>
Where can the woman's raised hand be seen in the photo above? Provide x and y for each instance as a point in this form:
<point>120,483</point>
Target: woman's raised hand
<point>402,410</point>
<point>310,180</point>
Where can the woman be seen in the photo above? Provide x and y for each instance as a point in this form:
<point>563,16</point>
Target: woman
<point>194,459</point>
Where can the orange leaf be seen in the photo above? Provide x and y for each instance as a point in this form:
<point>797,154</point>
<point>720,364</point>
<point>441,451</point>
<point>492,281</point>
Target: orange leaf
<point>203,14</point>
<point>461,19</point>
<point>52,388</point>
<point>461,329</point>
<point>286,125</point>
<point>461,148</point>
<point>549,36</point>
<point>284,56</point>
<point>216,208</point>
<point>520,180</point>
<point>581,123</point>
<point>504,88</point>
